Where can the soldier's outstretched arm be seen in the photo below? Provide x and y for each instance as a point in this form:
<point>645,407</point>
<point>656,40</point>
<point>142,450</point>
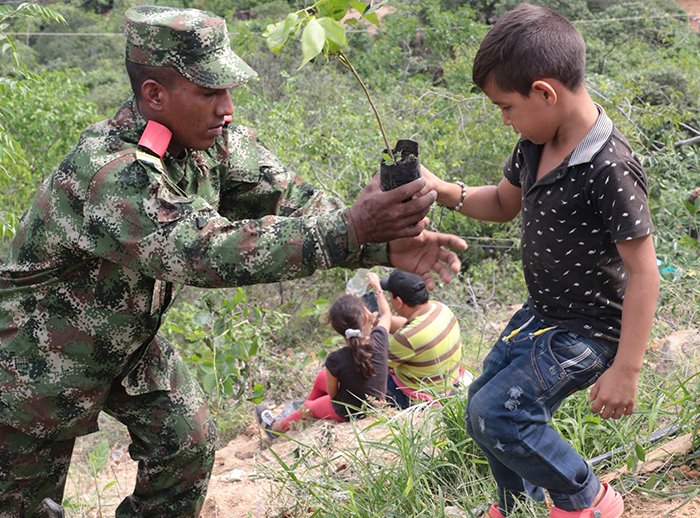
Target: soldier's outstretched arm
<point>428,252</point>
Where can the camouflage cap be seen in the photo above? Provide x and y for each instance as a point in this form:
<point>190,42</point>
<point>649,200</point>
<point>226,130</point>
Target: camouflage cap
<point>194,42</point>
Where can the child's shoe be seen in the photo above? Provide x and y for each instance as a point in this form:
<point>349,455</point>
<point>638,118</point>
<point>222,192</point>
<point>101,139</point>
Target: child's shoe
<point>494,512</point>
<point>610,506</point>
<point>265,419</point>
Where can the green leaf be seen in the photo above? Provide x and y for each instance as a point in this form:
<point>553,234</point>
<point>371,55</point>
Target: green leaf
<point>312,40</point>
<point>336,9</point>
<point>257,395</point>
<point>98,456</point>
<point>335,34</point>
<point>639,450</point>
<point>209,383</point>
<point>202,318</point>
<point>276,35</point>
<point>372,18</point>
<point>360,7</point>
<point>409,486</point>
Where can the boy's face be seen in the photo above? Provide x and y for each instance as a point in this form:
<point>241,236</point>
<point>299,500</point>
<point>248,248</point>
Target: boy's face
<point>530,116</point>
<point>195,114</point>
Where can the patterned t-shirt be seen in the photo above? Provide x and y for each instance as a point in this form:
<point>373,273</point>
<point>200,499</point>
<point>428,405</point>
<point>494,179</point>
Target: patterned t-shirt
<point>571,219</point>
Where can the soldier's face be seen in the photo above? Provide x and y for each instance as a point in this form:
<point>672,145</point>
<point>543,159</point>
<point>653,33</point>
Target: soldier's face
<point>194,114</point>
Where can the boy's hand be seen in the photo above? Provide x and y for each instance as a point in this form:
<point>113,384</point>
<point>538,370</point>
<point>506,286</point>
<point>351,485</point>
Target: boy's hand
<point>614,394</point>
<point>432,182</point>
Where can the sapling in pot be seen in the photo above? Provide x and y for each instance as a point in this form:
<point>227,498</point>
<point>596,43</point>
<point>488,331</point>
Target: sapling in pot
<point>320,30</point>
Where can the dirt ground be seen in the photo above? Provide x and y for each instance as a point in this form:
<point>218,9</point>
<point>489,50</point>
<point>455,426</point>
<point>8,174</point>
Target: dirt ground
<point>692,7</point>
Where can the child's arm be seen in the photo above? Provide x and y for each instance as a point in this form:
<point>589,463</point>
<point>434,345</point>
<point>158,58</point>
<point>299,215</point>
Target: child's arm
<point>384,319</point>
<point>615,392</point>
<point>487,202</point>
<point>331,384</point>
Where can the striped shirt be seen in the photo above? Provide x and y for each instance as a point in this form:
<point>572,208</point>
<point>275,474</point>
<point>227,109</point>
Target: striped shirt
<point>427,351</point>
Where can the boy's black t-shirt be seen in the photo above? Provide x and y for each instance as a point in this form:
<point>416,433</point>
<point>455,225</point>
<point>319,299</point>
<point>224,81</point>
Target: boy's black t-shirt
<point>353,388</point>
<point>571,220</point>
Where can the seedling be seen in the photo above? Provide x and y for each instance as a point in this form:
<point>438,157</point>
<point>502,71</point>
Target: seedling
<point>320,31</point>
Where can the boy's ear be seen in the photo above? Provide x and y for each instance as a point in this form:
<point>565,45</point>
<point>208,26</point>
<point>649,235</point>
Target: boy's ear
<point>545,90</point>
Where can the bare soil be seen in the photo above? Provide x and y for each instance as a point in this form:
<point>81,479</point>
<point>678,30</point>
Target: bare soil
<point>692,7</point>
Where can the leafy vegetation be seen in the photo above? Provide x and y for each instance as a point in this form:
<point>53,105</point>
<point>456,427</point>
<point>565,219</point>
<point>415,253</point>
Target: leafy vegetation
<point>248,343</point>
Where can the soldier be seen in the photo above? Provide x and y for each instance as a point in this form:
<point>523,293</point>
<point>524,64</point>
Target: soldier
<point>165,193</point>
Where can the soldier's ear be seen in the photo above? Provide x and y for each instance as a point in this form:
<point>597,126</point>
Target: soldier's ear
<point>152,94</point>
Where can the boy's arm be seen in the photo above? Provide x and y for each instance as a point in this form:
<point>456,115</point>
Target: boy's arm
<point>498,203</point>
<point>615,391</point>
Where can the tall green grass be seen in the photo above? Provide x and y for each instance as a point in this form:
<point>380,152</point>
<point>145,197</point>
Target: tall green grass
<point>421,463</point>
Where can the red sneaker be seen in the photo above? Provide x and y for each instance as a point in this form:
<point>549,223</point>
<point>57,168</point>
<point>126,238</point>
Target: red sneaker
<point>610,506</point>
<point>495,512</point>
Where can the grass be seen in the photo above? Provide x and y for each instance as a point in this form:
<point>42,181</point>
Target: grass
<point>418,468</point>
<point>422,463</point>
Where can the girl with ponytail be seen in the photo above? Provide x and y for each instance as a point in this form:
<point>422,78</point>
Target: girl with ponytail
<point>353,373</point>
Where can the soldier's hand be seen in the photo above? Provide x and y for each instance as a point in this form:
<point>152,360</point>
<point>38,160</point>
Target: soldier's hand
<point>379,216</point>
<point>429,251</point>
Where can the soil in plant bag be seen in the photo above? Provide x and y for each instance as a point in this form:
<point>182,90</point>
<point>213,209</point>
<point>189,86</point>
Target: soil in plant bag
<point>404,170</point>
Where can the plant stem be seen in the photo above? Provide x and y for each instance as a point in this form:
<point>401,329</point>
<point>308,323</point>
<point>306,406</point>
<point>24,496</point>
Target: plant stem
<point>344,60</point>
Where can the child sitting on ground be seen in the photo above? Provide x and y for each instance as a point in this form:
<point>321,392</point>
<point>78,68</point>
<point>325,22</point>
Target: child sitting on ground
<point>353,373</point>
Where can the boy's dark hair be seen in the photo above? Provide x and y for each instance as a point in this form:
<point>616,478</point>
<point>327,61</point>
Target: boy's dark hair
<point>139,73</point>
<point>526,44</point>
<point>348,312</point>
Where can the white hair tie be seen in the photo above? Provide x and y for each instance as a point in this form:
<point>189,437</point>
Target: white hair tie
<point>352,333</point>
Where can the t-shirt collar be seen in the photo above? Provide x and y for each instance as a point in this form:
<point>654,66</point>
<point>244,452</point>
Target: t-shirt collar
<point>594,141</point>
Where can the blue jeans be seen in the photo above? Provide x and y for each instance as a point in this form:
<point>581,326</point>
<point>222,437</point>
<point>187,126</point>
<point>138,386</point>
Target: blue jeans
<point>526,376</point>
<point>395,395</point>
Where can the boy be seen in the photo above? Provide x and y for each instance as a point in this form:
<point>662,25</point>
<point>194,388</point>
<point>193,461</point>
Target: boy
<point>588,260</point>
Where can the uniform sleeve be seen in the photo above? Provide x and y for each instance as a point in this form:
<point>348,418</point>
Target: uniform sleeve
<point>276,190</point>
<point>134,217</point>
<point>400,350</point>
<point>618,194</point>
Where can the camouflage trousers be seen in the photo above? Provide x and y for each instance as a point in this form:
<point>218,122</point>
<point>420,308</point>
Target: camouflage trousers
<point>172,439</point>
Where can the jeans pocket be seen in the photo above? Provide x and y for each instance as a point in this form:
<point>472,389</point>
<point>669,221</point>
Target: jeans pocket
<point>566,363</point>
<point>519,318</point>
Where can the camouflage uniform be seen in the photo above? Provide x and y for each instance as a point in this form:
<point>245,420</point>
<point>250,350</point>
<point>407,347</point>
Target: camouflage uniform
<point>91,274</point>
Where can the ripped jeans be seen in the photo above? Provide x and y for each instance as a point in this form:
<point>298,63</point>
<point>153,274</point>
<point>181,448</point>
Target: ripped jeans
<point>526,376</point>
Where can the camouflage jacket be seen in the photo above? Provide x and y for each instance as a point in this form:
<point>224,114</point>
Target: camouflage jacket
<point>92,264</point>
